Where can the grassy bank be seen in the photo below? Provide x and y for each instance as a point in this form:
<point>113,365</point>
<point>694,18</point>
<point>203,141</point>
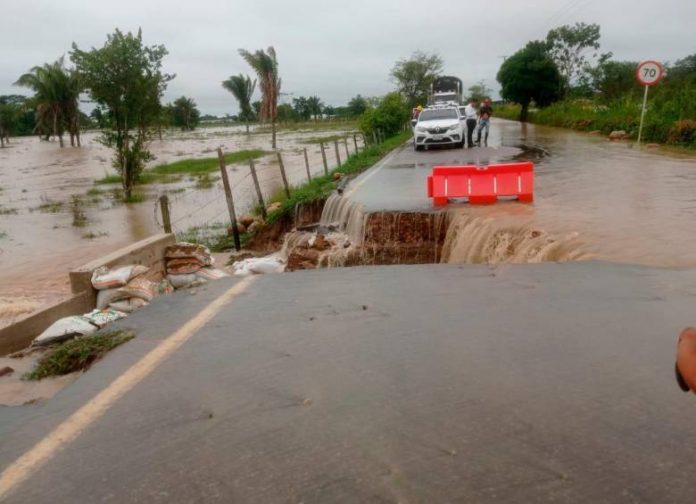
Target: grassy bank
<point>172,172</point>
<point>322,125</point>
<point>319,188</point>
<point>77,354</point>
<point>661,126</point>
<point>206,165</point>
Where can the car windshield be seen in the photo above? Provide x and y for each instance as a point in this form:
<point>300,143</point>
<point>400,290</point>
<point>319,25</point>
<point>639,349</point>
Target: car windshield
<point>434,115</point>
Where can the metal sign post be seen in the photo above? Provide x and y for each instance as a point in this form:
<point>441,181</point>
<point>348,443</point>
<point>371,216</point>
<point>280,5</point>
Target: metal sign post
<point>648,73</point>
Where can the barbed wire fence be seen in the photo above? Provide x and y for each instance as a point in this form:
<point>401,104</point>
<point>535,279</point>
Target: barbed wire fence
<point>261,178</point>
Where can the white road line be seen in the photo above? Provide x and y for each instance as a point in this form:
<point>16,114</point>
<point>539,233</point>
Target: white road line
<point>370,173</point>
<point>22,468</point>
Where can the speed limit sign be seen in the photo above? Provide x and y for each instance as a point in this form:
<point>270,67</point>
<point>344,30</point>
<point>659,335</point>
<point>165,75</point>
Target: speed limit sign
<point>649,73</point>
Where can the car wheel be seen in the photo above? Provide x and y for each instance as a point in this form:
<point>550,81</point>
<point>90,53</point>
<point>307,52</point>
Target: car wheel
<point>419,147</point>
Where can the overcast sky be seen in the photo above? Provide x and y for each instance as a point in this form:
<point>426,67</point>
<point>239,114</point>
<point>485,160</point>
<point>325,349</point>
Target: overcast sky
<point>329,48</point>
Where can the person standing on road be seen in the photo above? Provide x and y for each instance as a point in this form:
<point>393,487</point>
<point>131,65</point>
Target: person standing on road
<point>470,114</point>
<point>484,121</point>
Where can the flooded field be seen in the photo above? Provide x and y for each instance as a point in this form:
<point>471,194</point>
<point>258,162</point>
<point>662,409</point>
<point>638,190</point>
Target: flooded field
<point>39,241</point>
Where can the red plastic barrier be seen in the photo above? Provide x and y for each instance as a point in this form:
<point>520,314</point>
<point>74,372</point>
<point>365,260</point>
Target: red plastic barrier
<point>482,184</point>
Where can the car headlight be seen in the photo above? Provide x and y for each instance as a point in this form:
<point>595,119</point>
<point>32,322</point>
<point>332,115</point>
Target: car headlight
<point>421,128</point>
<point>453,127</point>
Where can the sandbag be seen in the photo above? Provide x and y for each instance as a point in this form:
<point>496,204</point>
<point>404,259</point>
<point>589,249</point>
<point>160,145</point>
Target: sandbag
<point>259,266</point>
<point>100,318</point>
<point>107,296</point>
<point>139,287</point>
<point>184,266</point>
<point>65,329</point>
<point>137,303</point>
<point>103,278</point>
<point>194,250</point>
<point>164,287</point>
<point>210,274</point>
<point>182,281</point>
<point>128,305</point>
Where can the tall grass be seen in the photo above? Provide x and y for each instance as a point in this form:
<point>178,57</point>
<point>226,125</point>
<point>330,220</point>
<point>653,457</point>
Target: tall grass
<point>206,165</point>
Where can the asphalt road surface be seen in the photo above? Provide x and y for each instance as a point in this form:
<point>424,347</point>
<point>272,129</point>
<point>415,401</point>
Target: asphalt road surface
<point>434,383</point>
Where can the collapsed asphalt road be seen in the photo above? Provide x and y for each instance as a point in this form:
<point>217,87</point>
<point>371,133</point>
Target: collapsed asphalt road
<point>431,383</point>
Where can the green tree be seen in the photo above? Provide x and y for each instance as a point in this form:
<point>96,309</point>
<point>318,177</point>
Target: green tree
<point>8,116</point>
<point>265,64</point>
<point>413,76</point>
<point>286,113</point>
<point>479,91</point>
<point>242,88</point>
<point>301,107</point>
<point>530,74</point>
<point>389,116</point>
<point>315,106</point>
<point>56,94</point>
<point>357,106</point>
<point>126,77</point>
<point>569,46</point>
<point>615,79</point>
<point>185,113</point>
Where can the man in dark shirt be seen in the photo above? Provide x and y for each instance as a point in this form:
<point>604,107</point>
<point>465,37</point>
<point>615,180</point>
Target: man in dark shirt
<point>484,120</point>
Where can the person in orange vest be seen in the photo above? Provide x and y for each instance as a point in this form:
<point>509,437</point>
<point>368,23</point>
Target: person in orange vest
<point>685,367</point>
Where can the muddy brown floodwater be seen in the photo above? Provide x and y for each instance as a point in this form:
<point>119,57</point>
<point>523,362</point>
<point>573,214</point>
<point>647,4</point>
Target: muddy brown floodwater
<point>39,243</point>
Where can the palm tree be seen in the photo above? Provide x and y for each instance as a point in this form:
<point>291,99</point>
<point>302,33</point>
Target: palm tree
<point>315,106</point>
<point>265,64</point>
<point>242,87</point>
<point>56,92</point>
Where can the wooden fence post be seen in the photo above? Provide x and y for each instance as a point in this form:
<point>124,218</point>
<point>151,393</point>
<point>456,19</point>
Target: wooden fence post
<point>374,137</point>
<point>338,154</point>
<point>259,194</point>
<point>355,142</point>
<point>282,174</point>
<point>230,201</point>
<point>345,144</point>
<point>306,164</point>
<point>323,157</point>
<point>166,219</point>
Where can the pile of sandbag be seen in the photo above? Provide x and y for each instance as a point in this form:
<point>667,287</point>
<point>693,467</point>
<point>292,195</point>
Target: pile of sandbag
<point>126,288</point>
<point>190,264</point>
<point>119,292</point>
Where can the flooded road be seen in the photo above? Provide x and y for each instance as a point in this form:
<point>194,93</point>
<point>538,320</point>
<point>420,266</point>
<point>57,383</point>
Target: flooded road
<point>39,242</point>
<point>594,199</point>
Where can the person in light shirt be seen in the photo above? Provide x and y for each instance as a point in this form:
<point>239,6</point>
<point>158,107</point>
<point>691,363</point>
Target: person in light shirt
<point>471,115</point>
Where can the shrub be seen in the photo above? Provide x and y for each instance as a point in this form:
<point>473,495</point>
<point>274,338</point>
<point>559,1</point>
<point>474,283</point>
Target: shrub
<point>682,132</point>
<point>389,116</point>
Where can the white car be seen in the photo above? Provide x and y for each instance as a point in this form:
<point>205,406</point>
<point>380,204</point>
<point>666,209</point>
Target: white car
<point>438,126</point>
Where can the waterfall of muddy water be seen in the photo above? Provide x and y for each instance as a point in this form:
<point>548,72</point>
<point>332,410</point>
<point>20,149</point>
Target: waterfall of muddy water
<point>345,216</point>
<point>473,239</point>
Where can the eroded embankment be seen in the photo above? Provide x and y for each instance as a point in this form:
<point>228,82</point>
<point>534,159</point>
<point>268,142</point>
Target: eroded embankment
<point>348,236</point>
